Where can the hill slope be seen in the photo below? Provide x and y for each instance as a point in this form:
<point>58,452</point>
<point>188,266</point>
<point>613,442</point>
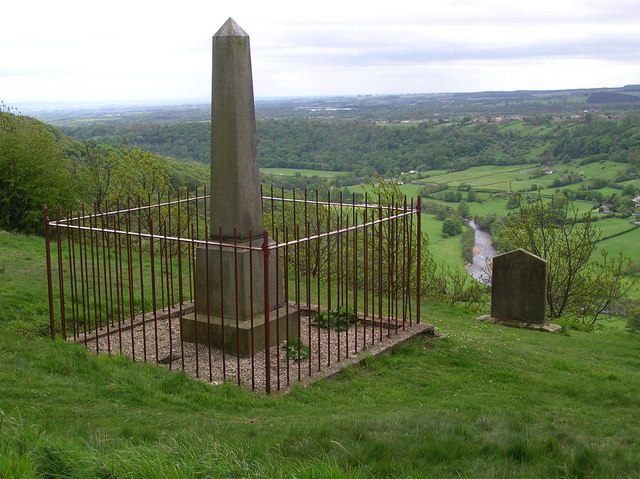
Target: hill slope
<point>485,402</point>
<point>40,166</point>
<point>364,148</point>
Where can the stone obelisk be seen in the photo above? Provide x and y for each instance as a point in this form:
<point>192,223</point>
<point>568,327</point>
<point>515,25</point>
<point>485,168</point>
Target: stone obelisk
<point>229,289</point>
<point>235,177</point>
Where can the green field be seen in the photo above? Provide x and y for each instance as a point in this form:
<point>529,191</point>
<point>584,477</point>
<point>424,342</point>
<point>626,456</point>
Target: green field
<point>444,250</point>
<point>495,183</point>
<point>483,401</point>
<point>301,172</point>
<point>483,177</point>
<point>627,243</point>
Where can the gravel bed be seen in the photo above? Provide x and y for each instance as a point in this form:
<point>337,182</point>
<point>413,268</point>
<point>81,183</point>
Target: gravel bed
<point>328,350</point>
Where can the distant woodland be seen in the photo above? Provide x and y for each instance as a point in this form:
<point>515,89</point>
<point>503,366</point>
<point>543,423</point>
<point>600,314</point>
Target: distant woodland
<point>96,157</point>
<point>366,148</point>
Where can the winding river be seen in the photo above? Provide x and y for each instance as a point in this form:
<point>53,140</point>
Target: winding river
<point>483,250</point>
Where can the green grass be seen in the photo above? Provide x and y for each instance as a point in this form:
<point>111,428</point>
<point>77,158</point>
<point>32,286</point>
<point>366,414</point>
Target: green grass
<point>483,177</point>
<point>492,204</point>
<point>600,169</point>
<point>23,283</point>
<point>445,250</point>
<point>610,226</point>
<point>484,401</point>
<point>495,402</point>
<point>628,244</point>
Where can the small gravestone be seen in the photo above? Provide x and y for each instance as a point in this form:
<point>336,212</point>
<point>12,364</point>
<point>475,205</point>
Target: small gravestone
<point>518,291</point>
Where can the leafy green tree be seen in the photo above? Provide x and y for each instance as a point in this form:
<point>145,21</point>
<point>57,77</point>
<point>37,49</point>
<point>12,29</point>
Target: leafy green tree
<point>115,174</point>
<point>97,173</point>
<point>34,172</point>
<point>473,196</point>
<point>633,320</point>
<point>463,209</point>
<point>577,284</point>
<point>622,204</point>
<point>559,202</point>
<point>442,213</point>
<point>452,196</point>
<point>629,190</point>
<point>451,227</point>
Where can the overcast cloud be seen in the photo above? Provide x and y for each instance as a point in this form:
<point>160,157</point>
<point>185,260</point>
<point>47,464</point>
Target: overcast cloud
<point>73,52</point>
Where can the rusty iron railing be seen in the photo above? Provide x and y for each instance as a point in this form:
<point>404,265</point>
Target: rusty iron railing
<point>123,282</point>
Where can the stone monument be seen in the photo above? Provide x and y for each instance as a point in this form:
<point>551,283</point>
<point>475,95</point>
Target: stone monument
<point>230,312</point>
<point>518,291</point>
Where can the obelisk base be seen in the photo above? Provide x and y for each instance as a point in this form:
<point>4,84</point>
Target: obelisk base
<point>244,338</point>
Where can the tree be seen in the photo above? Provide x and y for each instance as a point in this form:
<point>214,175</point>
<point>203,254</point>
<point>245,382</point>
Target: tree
<point>513,201</point>
<point>451,227</point>
<point>559,202</point>
<point>633,320</point>
<point>34,172</point>
<point>629,190</point>
<point>115,174</point>
<point>463,209</point>
<point>577,284</point>
<point>452,196</point>
<point>473,196</point>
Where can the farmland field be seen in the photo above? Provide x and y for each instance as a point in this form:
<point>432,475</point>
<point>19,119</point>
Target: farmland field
<point>483,177</point>
<point>300,171</point>
<point>493,185</point>
<point>627,243</point>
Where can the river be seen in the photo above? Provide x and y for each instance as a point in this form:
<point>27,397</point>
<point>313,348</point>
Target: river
<point>482,251</point>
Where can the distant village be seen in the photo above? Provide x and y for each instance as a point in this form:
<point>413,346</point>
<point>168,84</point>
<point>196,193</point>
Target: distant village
<point>505,118</point>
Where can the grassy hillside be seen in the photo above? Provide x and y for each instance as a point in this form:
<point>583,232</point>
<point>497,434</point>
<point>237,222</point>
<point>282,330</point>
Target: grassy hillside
<point>40,166</point>
<point>23,284</point>
<point>484,401</point>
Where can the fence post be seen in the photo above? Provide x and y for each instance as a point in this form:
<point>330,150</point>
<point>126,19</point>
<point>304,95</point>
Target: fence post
<point>267,306</point>
<point>49,278</point>
<point>63,320</point>
<point>418,258</point>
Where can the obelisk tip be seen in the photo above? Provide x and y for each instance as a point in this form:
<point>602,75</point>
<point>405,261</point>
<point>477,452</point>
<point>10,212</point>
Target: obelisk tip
<point>231,29</point>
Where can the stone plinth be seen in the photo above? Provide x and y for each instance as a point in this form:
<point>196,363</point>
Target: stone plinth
<point>224,285</point>
<point>518,287</point>
<point>235,289</point>
<point>547,328</point>
<point>237,337</point>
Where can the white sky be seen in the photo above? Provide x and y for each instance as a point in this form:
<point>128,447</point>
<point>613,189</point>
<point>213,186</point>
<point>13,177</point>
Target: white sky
<point>72,51</point>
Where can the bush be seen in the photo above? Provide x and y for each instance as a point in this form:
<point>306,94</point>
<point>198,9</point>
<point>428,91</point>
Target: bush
<point>33,173</point>
<point>338,319</point>
<point>451,227</point>
<point>468,242</point>
<point>452,196</point>
<point>633,320</point>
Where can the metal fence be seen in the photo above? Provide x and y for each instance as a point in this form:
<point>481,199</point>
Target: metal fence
<point>343,277</point>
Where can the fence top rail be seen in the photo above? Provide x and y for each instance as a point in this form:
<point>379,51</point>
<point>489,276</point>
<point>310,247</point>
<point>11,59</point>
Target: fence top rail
<point>337,203</point>
<point>170,202</point>
<point>235,245</point>
<point>341,231</point>
<point>128,210</point>
<point>155,236</point>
